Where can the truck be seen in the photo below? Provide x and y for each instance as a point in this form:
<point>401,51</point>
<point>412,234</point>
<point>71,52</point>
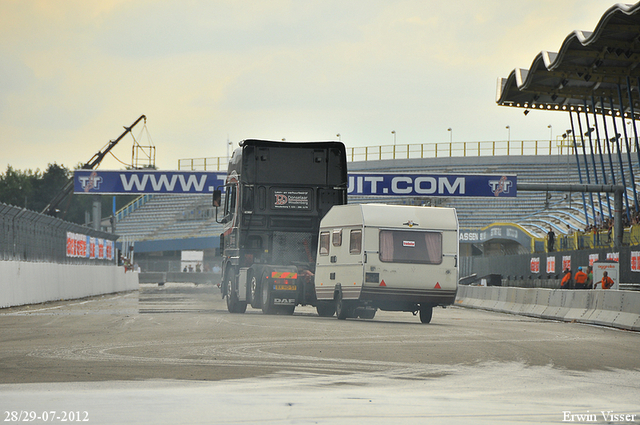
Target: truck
<point>387,257</point>
<point>276,193</point>
<point>284,217</point>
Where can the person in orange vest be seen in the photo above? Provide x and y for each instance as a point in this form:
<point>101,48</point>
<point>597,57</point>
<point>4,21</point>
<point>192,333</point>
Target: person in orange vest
<point>566,280</point>
<point>581,279</point>
<point>606,281</point>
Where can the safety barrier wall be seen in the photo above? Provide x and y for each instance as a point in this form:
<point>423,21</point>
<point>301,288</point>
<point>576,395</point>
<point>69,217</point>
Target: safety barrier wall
<point>619,309</point>
<point>179,277</point>
<point>24,283</point>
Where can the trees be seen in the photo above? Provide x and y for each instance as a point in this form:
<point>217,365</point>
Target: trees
<point>16,187</point>
<point>33,190</point>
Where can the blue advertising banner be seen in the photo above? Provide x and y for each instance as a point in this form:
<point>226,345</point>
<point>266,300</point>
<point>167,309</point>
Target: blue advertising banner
<point>360,184</point>
<point>132,182</point>
<point>418,184</point>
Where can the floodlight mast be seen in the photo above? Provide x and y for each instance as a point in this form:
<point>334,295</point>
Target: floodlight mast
<point>93,163</point>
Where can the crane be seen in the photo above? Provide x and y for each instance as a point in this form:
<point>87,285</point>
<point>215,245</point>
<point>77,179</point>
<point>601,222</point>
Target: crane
<point>93,163</point>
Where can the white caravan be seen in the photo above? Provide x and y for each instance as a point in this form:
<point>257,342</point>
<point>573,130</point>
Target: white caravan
<point>387,257</point>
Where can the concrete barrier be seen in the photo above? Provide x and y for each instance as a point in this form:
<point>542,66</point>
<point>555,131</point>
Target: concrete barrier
<point>541,304</point>
<point>153,277</point>
<point>556,308</point>
<point>629,318</point>
<point>619,309</point>
<point>578,303</point>
<point>24,283</point>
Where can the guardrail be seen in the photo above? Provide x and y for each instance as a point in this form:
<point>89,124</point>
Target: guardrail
<point>424,150</point>
<point>132,206</point>
<point>588,240</point>
<point>30,236</point>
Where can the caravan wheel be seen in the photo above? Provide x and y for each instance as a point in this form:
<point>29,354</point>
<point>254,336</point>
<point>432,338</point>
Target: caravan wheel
<point>326,308</point>
<point>343,309</point>
<point>426,312</point>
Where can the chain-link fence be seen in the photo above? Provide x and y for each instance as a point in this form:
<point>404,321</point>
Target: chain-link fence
<point>29,236</point>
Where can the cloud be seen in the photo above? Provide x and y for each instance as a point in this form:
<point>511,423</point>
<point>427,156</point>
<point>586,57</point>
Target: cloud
<point>75,72</point>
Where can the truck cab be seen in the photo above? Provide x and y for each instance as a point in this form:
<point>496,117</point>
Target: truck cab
<point>276,193</point>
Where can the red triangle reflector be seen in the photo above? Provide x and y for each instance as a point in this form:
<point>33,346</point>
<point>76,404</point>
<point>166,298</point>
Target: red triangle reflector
<point>437,286</point>
<point>382,283</point>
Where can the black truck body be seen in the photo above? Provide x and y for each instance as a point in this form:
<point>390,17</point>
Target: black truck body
<point>276,195</point>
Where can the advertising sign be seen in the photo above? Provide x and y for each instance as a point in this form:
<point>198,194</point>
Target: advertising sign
<point>83,246</point>
<point>611,268</point>
<point>535,265</point>
<point>566,262</point>
<point>418,184</point>
<point>291,199</point>
<point>133,182</point>
<point>635,261</point>
<point>551,264</point>
<point>360,184</point>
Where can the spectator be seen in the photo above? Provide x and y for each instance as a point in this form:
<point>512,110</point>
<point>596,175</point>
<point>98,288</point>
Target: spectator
<point>551,239</point>
<point>606,281</point>
<point>581,279</point>
<point>566,280</point>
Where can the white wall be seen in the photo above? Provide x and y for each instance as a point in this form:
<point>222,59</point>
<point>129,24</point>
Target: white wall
<point>620,309</point>
<point>24,283</point>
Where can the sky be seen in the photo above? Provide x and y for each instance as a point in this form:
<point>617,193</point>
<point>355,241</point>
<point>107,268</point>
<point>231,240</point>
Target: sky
<point>74,73</point>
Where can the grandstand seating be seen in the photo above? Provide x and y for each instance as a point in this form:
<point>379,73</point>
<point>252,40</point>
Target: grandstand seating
<point>168,216</point>
<point>182,216</point>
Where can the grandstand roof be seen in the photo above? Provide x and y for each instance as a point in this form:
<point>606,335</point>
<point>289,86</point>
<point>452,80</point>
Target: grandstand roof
<point>587,64</point>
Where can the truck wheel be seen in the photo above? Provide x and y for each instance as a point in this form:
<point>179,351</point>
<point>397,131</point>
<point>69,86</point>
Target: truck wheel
<point>426,311</point>
<point>342,307</point>
<point>326,308</point>
<point>367,314</point>
<point>267,302</point>
<point>254,292</point>
<point>233,305</point>
<point>287,310</point>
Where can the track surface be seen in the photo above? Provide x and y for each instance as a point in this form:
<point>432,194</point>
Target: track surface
<point>467,364</point>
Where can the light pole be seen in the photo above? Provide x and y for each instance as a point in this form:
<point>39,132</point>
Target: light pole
<point>394,137</point>
<point>450,134</point>
<point>338,136</point>
<point>508,133</point>
<point>550,127</point>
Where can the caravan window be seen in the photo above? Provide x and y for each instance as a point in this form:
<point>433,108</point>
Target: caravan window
<point>355,242</point>
<point>324,243</point>
<point>410,246</point>
<point>336,238</point>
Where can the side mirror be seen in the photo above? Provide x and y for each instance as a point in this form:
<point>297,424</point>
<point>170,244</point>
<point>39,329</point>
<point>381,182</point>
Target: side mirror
<point>217,198</point>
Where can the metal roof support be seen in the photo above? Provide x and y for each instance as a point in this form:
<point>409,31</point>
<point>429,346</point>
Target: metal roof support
<point>593,158</point>
<point>575,150</point>
<point>599,146</point>
<point>616,136</point>
<point>626,140</point>
<point>617,191</point>
<point>633,118</point>
<point>606,141</point>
